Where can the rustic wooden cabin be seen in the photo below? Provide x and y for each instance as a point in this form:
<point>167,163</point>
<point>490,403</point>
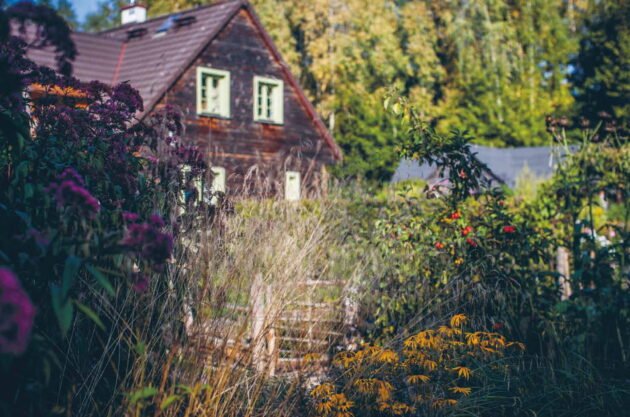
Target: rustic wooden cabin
<point>240,102</point>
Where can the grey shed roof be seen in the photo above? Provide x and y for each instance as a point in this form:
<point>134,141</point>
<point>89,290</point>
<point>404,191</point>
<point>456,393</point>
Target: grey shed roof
<point>505,163</point>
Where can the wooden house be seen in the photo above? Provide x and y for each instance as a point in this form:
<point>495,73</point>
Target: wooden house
<point>220,68</point>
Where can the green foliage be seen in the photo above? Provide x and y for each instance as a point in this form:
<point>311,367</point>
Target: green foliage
<point>465,246</point>
<point>601,73</point>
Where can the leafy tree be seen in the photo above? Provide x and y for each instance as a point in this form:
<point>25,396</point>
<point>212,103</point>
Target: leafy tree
<point>601,69</point>
<point>105,17</point>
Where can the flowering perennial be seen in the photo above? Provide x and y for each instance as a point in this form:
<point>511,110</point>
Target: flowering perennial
<point>16,314</point>
<point>69,191</point>
<point>147,239</point>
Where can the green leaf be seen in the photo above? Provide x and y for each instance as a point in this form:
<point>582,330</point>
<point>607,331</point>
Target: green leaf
<point>140,347</point>
<point>168,401</point>
<point>70,271</point>
<point>142,394</point>
<point>62,308</point>
<point>91,314</point>
<point>101,279</point>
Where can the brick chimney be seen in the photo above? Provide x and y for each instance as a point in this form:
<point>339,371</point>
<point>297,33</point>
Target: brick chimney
<point>134,12</point>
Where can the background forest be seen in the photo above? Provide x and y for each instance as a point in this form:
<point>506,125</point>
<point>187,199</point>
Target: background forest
<point>493,67</point>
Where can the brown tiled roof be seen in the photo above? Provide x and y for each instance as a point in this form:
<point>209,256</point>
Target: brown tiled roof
<point>153,61</point>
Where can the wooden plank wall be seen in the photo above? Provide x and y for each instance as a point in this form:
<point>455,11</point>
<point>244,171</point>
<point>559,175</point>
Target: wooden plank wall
<point>255,155</point>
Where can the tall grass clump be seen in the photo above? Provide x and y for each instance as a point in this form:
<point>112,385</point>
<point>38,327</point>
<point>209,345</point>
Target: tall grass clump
<point>212,355</point>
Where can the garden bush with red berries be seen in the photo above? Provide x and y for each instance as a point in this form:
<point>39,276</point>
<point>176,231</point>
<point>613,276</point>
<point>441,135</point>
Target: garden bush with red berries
<point>469,245</point>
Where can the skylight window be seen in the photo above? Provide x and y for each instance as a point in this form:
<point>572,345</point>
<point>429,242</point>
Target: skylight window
<point>167,24</point>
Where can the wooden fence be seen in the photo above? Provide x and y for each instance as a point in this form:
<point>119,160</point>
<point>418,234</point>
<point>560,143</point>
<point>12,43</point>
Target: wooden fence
<point>280,336</point>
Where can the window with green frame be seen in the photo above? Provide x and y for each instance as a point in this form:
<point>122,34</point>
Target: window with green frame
<point>268,100</point>
<point>213,92</point>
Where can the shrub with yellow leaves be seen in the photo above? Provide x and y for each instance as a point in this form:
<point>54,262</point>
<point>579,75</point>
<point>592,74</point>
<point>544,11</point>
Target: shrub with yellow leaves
<point>429,373</point>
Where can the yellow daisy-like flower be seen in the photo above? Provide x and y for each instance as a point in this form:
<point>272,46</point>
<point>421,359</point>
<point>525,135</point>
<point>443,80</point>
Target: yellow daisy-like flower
<point>445,330</point>
<point>387,356</point>
<point>458,319</point>
<point>322,390</point>
<point>366,385</point>
<point>463,372</point>
<point>430,365</point>
<point>461,390</point>
<point>444,402</point>
<point>344,359</point>
<point>417,379</point>
<point>384,391</point>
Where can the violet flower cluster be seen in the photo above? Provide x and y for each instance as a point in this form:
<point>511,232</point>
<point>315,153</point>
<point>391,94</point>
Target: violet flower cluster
<point>16,314</point>
<point>147,239</point>
<point>69,191</point>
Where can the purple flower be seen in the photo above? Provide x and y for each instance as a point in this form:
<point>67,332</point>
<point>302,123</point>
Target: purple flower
<point>130,217</point>
<point>70,174</point>
<point>16,314</point>
<point>69,191</point>
<point>140,283</point>
<point>148,241</point>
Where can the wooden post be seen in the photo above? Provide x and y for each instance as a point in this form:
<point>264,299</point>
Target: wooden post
<point>272,354</point>
<point>562,266</point>
<point>257,302</point>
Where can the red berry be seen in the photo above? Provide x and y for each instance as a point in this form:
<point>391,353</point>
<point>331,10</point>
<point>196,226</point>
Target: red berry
<point>439,245</point>
<point>509,229</point>
<point>456,215</point>
<point>466,230</point>
<point>471,242</point>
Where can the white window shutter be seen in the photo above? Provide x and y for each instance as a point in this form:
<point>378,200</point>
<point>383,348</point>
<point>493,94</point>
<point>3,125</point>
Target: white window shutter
<point>292,186</point>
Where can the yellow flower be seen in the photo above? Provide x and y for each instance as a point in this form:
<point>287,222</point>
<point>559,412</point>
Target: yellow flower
<point>399,409</point>
<point>322,390</point>
<point>472,339</point>
<point>311,357</point>
<point>344,359</point>
<point>384,391</point>
<point>416,379</point>
<point>387,356</point>
<point>341,402</point>
<point>462,372</point>
<point>445,330</point>
<point>441,403</point>
<point>458,319</point>
<point>324,407</point>
<point>365,385</point>
<point>430,365</point>
<point>461,390</point>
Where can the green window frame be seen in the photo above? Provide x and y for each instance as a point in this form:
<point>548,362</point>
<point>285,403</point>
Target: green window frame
<point>268,100</point>
<point>213,92</point>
